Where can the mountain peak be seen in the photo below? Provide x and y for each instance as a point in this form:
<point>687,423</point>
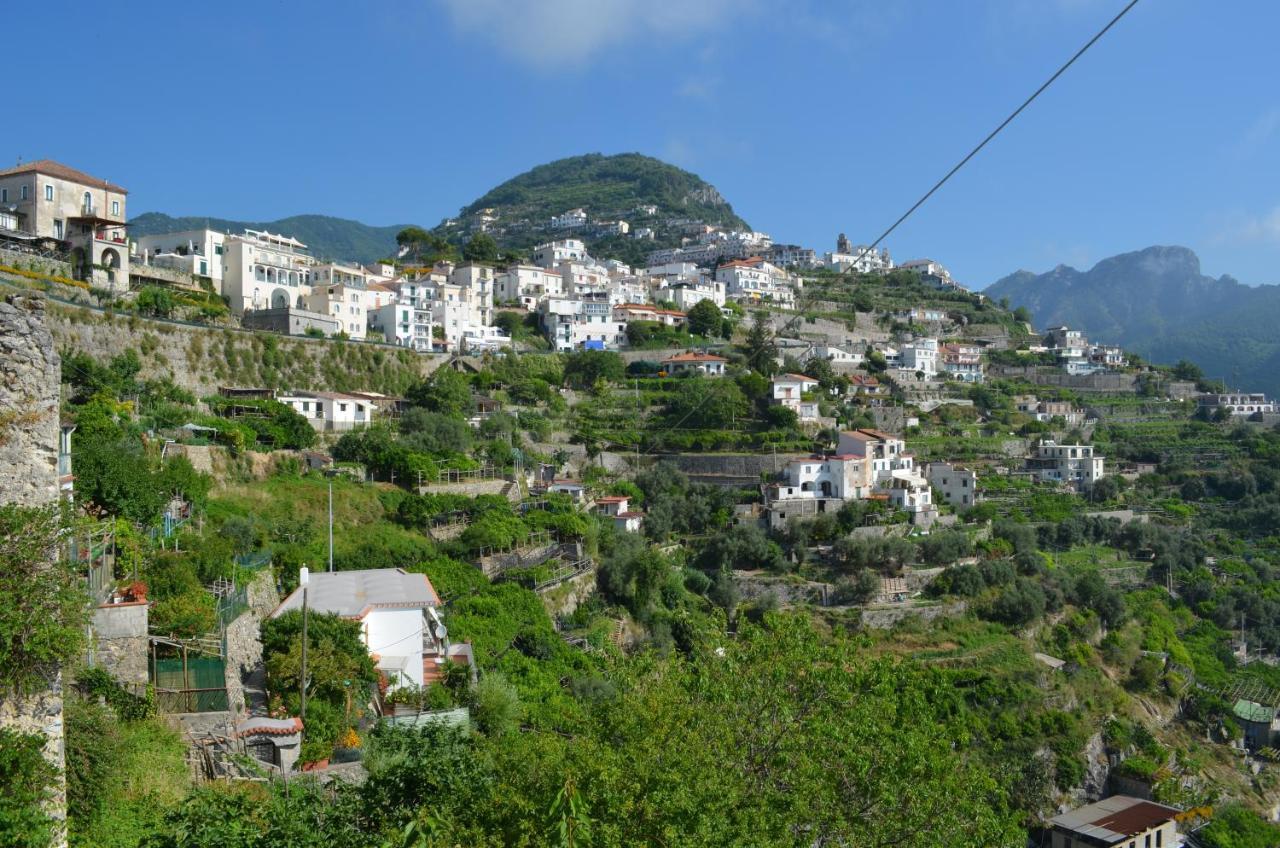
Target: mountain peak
<point>1157,302</point>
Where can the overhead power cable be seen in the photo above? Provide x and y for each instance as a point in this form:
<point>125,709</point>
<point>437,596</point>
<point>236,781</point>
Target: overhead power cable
<point>1016,112</point>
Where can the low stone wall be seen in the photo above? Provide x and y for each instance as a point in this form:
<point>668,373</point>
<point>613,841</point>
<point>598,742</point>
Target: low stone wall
<point>471,488</point>
<point>788,592</point>
<point>39,264</point>
<point>1048,376</point>
<point>744,466</point>
<point>882,618</point>
<point>565,598</point>
<point>244,643</point>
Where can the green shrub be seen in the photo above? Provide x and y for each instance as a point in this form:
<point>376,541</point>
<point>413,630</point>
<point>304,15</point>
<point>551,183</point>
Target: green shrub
<point>26,783</point>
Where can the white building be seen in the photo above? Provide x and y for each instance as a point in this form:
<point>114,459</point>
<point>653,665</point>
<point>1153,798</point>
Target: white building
<point>692,362</point>
<point>838,477</point>
<point>858,258</point>
<point>838,357</point>
<point>571,220</point>
<point>403,324</point>
<point>263,270</point>
<point>1073,465</point>
<point>926,268</point>
<point>1237,403</point>
<point>399,624</point>
<point>920,356</point>
<point>527,285</point>
<point>581,323</point>
<point>195,252</point>
<point>754,281</point>
<point>337,273</point>
<point>553,253</point>
<point>956,485</point>
<point>332,411</point>
<point>788,390</point>
<point>687,295</point>
<point>345,303</point>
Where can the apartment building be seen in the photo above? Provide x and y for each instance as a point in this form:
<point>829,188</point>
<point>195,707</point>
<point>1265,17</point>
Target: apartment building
<point>1074,465</point>
<point>955,484</point>
<point>263,270</point>
<point>344,303</point>
<point>1237,404</point>
<point>962,362</point>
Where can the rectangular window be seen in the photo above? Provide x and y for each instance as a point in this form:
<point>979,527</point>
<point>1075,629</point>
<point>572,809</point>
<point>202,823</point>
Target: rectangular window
<point>115,207</point>
<point>58,229</point>
<point>4,195</point>
<point>217,250</point>
<point>22,193</point>
<point>48,191</point>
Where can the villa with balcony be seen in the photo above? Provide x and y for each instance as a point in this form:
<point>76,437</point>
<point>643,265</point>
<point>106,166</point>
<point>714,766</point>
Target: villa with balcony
<point>81,215</point>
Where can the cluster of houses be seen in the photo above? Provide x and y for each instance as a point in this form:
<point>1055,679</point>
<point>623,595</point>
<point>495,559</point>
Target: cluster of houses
<point>1077,355</point>
<point>271,281</point>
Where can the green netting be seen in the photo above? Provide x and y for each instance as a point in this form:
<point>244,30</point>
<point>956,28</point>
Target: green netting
<point>202,689</point>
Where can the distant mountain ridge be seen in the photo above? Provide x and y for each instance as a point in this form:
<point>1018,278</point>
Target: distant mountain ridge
<point>1158,303</point>
<point>326,236</point>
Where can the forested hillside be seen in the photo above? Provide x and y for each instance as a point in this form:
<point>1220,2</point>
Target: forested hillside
<point>326,236</point>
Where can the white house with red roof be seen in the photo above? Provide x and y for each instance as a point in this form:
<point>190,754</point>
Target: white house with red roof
<point>619,508</point>
<point>398,621</point>
<point>866,463</point>
<point>693,362</point>
<point>789,390</point>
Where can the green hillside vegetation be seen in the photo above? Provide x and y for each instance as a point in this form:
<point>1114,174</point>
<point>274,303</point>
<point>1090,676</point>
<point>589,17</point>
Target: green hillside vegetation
<point>608,188</point>
<point>327,237</point>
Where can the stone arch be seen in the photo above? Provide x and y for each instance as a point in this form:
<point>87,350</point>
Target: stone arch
<point>279,299</point>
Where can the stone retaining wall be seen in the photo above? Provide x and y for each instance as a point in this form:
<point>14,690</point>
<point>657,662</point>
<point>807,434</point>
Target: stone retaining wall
<point>30,380</point>
<point>39,264</point>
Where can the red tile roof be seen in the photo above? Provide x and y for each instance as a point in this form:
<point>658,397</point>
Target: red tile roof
<point>260,725</point>
<point>804,378</point>
<point>50,168</point>
<point>695,357</point>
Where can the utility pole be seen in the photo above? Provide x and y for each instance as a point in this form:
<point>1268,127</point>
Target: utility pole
<point>304,578</point>
<point>330,522</point>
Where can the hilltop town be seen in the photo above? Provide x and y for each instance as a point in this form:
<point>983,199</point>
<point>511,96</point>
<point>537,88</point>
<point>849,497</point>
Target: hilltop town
<point>617,520</point>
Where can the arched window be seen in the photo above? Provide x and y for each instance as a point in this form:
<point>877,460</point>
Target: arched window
<point>88,201</point>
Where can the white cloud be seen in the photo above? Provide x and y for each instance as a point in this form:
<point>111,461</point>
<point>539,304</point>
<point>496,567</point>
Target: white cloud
<point>1250,229</point>
<point>557,34</point>
<point>1259,133</point>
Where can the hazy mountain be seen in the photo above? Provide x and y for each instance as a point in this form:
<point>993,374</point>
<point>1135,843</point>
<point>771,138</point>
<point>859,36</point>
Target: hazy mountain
<point>328,237</point>
<point>1158,303</point>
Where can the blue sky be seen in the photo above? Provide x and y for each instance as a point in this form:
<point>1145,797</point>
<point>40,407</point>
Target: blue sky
<point>812,118</point>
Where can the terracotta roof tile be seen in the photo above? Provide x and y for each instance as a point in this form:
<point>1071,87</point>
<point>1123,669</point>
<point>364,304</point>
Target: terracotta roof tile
<point>51,168</point>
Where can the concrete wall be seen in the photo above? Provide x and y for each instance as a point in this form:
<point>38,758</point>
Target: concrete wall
<point>29,386</point>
